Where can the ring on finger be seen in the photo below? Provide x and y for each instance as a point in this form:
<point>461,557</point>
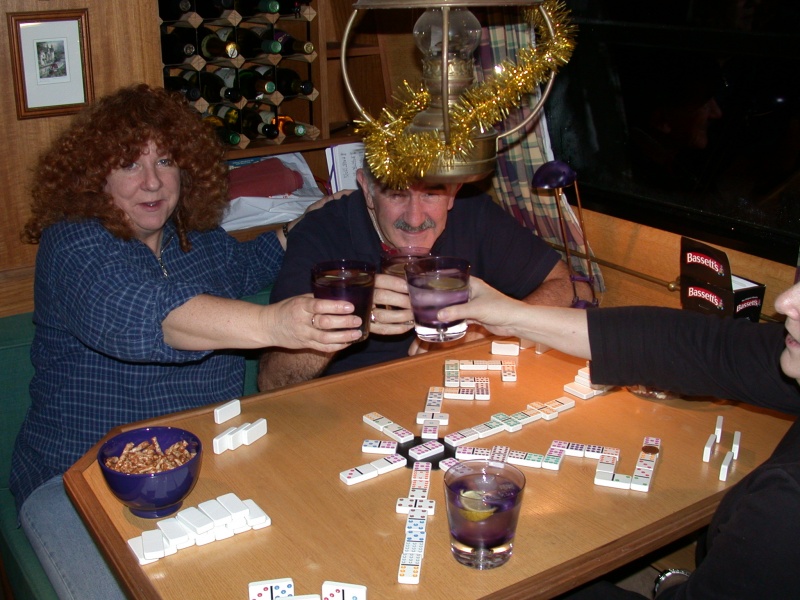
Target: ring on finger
<point>312,321</point>
<point>372,317</point>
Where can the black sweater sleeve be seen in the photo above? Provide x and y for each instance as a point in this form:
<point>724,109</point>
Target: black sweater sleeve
<point>691,354</point>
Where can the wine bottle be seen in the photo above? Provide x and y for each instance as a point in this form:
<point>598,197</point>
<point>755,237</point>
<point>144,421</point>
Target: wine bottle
<point>248,8</point>
<point>179,84</point>
<point>252,82</point>
<point>292,45</point>
<point>290,84</point>
<point>255,123</point>
<point>292,7</point>
<point>173,10</point>
<point>289,127</point>
<point>212,86</point>
<point>249,43</point>
<point>178,45</point>
<point>228,113</point>
<point>225,133</point>
<point>211,9</point>
<point>211,46</point>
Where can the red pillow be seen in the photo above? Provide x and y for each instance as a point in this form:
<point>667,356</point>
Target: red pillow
<point>265,178</point>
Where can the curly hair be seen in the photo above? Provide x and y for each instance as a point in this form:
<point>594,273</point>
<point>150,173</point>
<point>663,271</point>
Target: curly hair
<point>71,174</point>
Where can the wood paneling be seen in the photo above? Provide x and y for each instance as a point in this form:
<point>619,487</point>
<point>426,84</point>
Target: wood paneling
<point>123,52</point>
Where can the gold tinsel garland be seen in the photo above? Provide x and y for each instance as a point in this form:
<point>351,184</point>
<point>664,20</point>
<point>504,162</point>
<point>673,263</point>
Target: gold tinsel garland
<point>398,158</point>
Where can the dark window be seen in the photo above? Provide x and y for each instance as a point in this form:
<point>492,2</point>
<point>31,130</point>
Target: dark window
<point>686,116</point>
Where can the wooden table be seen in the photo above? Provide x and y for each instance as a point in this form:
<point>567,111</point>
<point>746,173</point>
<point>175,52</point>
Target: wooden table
<point>570,530</point>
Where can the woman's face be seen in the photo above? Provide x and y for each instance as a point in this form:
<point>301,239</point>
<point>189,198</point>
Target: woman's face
<point>147,191</point>
<point>788,303</point>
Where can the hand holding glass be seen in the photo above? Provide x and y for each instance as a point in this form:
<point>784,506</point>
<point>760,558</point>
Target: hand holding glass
<point>350,280</point>
<point>433,284</point>
<point>483,500</point>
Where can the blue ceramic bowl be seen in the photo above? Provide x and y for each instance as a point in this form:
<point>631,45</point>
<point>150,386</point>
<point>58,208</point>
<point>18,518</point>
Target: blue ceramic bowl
<point>152,495</point>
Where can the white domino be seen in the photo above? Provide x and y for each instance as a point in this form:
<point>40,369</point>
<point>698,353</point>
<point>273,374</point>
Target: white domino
<point>358,474</point>
<point>334,590</point>
<point>153,544</point>
<point>726,463</point>
<point>622,482</point>
<point>256,430</point>
<point>175,533</point>
<point>581,391</point>
<point>505,348</point>
<point>525,459</point>
<point>426,450</point>
<point>234,505</point>
<point>379,446</point>
<point>461,437</point>
<point>271,588</point>
<point>377,421</point>
<point>215,511</point>
<point>256,517</point>
<point>227,411</point>
<point>737,440</point>
<point>222,442</point>
<point>194,520</point>
<point>237,436</point>
<point>712,439</point>
<point>389,463</point>
<point>398,433</point>
<point>438,417</point>
<point>135,544</point>
<point>718,429</point>
<point>448,463</point>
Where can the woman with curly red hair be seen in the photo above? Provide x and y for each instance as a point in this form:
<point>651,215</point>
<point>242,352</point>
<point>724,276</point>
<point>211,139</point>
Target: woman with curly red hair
<point>136,303</point>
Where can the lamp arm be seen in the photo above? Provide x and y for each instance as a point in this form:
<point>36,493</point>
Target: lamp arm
<point>345,76</point>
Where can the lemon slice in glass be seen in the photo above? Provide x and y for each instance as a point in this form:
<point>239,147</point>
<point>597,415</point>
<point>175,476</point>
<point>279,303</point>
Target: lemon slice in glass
<point>446,283</point>
<point>474,508</point>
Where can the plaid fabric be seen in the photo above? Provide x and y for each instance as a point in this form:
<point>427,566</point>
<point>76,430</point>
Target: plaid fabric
<point>521,153</point>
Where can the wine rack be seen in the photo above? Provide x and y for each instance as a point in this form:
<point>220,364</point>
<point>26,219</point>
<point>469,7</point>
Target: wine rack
<point>299,107</point>
<point>326,111</point>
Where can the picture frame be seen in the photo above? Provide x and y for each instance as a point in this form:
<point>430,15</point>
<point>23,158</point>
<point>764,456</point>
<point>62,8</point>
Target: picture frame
<point>51,60</point>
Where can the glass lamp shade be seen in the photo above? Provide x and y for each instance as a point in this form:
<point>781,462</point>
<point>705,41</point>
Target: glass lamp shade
<point>552,175</point>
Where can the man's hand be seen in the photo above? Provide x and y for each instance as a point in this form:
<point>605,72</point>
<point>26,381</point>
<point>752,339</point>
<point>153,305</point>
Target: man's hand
<point>391,311</point>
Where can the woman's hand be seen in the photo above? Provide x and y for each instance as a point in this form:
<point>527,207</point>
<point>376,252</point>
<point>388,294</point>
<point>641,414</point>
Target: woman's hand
<point>308,322</point>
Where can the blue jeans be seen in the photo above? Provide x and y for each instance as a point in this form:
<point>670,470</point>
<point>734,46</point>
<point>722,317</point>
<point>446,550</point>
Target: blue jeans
<point>72,561</point>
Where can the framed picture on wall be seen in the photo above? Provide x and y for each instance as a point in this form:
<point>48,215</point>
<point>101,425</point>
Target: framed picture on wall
<point>51,60</point>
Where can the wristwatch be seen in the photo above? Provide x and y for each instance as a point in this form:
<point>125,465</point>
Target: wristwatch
<point>674,576</point>
<point>285,229</point>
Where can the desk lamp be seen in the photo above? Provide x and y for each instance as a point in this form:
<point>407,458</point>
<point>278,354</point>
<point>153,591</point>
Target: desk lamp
<point>443,131</point>
<point>557,175</point>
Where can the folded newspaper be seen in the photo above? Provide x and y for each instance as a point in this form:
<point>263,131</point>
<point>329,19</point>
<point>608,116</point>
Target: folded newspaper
<point>253,211</point>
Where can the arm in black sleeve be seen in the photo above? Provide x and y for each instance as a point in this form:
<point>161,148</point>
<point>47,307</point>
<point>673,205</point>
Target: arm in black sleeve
<point>691,354</point>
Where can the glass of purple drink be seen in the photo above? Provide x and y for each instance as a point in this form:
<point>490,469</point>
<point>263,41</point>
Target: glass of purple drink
<point>351,280</point>
<point>483,499</point>
<point>434,283</point>
<point>394,261</point>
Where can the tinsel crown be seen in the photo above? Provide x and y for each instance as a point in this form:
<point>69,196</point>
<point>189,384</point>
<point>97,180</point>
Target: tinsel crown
<point>399,158</point>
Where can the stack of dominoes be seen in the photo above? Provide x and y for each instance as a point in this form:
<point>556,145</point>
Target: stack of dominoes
<point>210,521</point>
<point>582,387</point>
<point>234,437</point>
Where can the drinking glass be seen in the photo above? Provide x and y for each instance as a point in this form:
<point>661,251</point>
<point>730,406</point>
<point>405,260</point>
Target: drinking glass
<point>394,262</point>
<point>483,499</point>
<point>351,280</point>
<point>435,283</point>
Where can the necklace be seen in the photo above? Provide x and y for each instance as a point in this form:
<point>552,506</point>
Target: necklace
<point>160,258</point>
<point>375,225</point>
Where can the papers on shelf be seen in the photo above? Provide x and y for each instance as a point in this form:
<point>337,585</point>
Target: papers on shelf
<point>343,162</point>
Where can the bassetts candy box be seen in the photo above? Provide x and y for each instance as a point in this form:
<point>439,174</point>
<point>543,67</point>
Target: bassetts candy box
<point>708,286</point>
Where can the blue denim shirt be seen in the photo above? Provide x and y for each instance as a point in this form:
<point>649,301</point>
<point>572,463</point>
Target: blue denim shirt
<point>99,350</point>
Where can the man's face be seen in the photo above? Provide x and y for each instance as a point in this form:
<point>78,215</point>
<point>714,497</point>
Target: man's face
<point>413,217</point>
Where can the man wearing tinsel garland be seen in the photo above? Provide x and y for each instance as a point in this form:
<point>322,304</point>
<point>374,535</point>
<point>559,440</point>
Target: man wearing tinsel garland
<point>377,219</point>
